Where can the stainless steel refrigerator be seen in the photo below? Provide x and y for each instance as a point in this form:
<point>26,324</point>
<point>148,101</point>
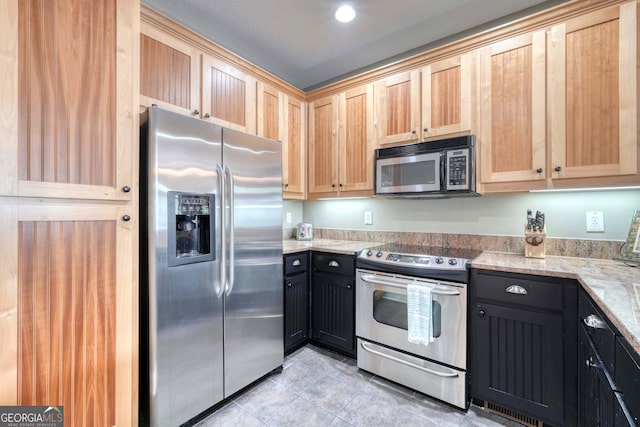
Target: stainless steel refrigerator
<point>211,264</point>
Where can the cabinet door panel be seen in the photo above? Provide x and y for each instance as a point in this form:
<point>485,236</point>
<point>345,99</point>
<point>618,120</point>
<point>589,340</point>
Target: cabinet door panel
<point>333,308</point>
<point>356,140</point>
<point>592,94</point>
<point>296,310</point>
<point>398,108</point>
<point>169,72</point>
<point>517,360</point>
<point>75,98</point>
<point>294,149</point>
<point>512,110</point>
<point>269,112</point>
<point>323,145</point>
<point>228,95</point>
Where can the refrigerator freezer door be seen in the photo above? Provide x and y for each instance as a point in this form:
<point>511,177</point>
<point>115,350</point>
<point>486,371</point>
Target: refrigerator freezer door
<point>254,297</point>
<point>185,301</point>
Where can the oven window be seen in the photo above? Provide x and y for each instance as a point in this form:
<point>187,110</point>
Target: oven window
<point>391,309</point>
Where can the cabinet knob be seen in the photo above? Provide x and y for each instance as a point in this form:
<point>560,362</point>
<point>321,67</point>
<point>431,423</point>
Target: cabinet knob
<point>289,284</point>
<point>126,188</point>
<point>286,185</point>
<point>196,112</point>
<point>348,286</point>
<point>590,363</point>
<point>414,132</point>
<point>539,170</point>
<point>557,168</point>
<point>333,186</point>
<point>126,218</point>
<point>425,130</point>
<point>207,115</point>
<point>340,185</point>
<point>481,313</point>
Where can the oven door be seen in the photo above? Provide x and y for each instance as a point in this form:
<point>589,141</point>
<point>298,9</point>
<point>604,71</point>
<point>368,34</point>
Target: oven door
<point>381,316</point>
<point>409,174</point>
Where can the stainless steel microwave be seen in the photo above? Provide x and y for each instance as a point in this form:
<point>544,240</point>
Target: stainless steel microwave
<point>440,168</point>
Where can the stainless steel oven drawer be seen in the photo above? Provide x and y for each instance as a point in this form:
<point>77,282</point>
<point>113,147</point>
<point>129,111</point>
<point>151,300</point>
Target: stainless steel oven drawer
<point>430,378</point>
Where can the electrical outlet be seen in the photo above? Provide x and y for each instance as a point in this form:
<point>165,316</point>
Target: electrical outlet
<point>288,217</point>
<point>595,222</point>
<point>368,218</point>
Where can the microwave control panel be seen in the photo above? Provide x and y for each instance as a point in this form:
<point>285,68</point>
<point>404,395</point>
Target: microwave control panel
<point>458,169</point>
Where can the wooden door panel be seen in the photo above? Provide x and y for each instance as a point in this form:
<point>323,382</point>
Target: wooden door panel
<point>269,115</point>
<point>323,145</point>
<point>66,315</point>
<point>67,80</point>
<point>398,108</point>
<point>593,99</point>
<point>512,127</point>
<point>294,148</point>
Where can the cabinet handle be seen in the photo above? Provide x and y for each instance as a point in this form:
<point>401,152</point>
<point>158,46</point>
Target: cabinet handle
<point>426,129</point>
<point>126,188</point>
<point>340,185</point>
<point>591,363</point>
<point>207,115</point>
<point>286,185</point>
<point>333,186</point>
<point>594,321</point>
<point>348,286</point>
<point>126,218</point>
<point>516,289</point>
<point>289,284</point>
<point>296,263</point>
<point>557,168</point>
<point>414,132</point>
<point>539,170</point>
<point>196,112</point>
<point>481,313</point>
<point>334,263</point>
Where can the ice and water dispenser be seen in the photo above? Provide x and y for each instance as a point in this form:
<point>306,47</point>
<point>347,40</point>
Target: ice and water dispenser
<point>191,227</point>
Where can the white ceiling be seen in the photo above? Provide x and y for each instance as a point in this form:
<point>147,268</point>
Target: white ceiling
<point>301,42</point>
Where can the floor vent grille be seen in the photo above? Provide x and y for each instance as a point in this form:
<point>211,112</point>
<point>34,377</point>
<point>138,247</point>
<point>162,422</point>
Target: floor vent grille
<point>512,415</point>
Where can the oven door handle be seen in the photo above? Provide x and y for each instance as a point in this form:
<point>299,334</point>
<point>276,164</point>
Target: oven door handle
<point>374,280</point>
<point>404,362</point>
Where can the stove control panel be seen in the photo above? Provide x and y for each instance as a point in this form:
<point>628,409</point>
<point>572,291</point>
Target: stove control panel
<point>414,260</point>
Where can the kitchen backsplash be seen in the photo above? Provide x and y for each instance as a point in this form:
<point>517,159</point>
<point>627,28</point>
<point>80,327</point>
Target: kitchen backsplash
<point>584,248</point>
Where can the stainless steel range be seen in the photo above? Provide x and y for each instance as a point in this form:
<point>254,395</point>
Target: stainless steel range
<point>383,275</point>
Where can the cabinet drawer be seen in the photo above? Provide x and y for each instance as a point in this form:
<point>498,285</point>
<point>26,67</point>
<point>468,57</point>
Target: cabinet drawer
<point>628,380</point>
<point>519,289</point>
<point>333,263</point>
<point>595,325</point>
<point>296,263</point>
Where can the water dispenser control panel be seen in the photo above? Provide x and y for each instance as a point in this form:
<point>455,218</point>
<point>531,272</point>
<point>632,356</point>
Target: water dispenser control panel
<point>191,228</point>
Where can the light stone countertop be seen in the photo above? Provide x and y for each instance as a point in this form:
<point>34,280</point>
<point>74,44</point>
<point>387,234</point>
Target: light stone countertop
<point>614,287</point>
<point>348,247</point>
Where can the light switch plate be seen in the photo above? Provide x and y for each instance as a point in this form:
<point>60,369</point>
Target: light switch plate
<point>368,218</point>
<point>595,222</point>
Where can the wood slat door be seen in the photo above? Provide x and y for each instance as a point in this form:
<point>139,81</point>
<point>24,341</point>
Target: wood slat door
<point>356,140</point>
<point>228,95</point>
<point>68,306</point>
<point>69,128</point>
<point>294,149</point>
<point>397,104</point>
<point>512,109</point>
<point>270,104</point>
<point>169,72</point>
<point>323,145</point>
<point>593,108</point>
<point>446,96</point>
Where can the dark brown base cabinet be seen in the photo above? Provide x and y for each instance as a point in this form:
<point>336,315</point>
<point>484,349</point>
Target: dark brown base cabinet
<point>523,344</point>
<point>296,301</point>
<point>609,377</point>
<point>333,301</point>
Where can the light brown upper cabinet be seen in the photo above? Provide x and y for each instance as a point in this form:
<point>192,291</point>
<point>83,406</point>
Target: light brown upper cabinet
<point>593,94</point>
<point>446,96</point>
<point>397,116</point>
<point>228,95</point>
<point>341,144</point>
<point>68,94</point>
<point>283,118</point>
<point>169,72</point>
<point>294,149</point>
<point>512,109</point>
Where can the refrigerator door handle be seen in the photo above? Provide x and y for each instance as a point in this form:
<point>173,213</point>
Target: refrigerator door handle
<point>231,191</point>
<point>222,258</point>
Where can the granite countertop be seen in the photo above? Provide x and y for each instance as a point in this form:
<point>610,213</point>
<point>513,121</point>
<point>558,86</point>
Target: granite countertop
<point>614,287</point>
<point>348,247</point>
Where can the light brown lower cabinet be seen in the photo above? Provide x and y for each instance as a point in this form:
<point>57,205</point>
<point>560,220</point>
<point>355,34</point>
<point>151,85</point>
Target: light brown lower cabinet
<point>68,305</point>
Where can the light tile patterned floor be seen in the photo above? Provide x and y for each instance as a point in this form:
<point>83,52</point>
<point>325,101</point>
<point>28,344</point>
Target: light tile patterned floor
<point>321,388</point>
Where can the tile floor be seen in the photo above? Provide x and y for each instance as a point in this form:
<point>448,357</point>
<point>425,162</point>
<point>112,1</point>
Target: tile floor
<point>321,388</point>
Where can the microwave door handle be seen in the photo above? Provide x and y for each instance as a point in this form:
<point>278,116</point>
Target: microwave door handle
<point>402,285</point>
<point>443,171</point>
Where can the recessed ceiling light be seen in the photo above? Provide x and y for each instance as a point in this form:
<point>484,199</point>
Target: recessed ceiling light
<point>345,13</point>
